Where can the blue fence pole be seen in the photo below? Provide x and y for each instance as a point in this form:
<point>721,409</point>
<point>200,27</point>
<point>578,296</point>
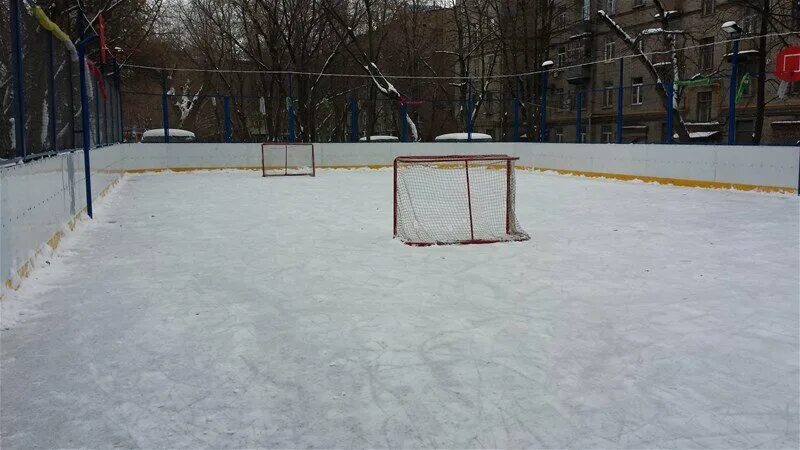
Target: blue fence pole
<point>578,121</point>
<point>85,131</point>
<point>403,122</point>
<point>51,90</point>
<point>469,117</point>
<point>732,92</point>
<point>353,120</point>
<point>19,80</point>
<point>291,120</point>
<point>97,111</point>
<point>620,95</point>
<point>164,107</point>
<point>516,111</point>
<point>117,85</point>
<point>670,105</point>
<point>543,110</point>
<point>670,102</point>
<point>226,103</point>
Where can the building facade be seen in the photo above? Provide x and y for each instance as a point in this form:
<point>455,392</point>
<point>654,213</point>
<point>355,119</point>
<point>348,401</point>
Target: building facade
<point>600,60</point>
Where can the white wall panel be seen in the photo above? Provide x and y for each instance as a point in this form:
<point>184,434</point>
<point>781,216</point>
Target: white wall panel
<point>39,198</point>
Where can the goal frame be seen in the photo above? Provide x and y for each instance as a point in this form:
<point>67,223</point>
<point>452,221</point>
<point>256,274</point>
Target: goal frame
<point>459,159</point>
<point>287,147</point>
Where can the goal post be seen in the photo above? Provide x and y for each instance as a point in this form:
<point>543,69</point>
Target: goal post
<point>287,159</point>
<point>455,199</point>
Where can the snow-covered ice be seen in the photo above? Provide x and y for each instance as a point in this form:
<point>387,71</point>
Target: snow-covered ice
<point>221,309</point>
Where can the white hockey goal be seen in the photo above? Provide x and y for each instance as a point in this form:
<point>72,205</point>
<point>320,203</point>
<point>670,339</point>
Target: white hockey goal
<point>287,159</point>
<point>455,199</point>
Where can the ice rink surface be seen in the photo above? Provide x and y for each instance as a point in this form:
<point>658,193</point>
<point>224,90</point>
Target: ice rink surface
<point>220,309</point>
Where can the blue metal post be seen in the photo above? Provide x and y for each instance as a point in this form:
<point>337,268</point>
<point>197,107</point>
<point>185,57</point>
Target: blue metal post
<point>516,111</point>
<point>543,110</point>
<point>469,117</point>
<point>97,111</point>
<point>670,105</point>
<point>19,81</point>
<point>732,92</point>
<point>51,89</point>
<point>164,107</point>
<point>468,113</point>
<point>87,145</point>
<point>291,120</point>
<point>353,120</point>
<point>403,122</point>
<point>117,85</point>
<point>106,106</point>
<point>620,95</point>
<point>226,102</point>
<point>291,110</point>
<point>578,122</point>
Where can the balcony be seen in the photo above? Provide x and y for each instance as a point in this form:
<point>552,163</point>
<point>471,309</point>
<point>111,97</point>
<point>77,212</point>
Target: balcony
<point>577,75</point>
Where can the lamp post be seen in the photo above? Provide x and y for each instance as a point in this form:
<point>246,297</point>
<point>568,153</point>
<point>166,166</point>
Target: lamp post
<point>543,110</point>
<point>734,30</point>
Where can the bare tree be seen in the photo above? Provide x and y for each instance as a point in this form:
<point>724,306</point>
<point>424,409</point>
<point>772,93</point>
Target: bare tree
<point>662,74</point>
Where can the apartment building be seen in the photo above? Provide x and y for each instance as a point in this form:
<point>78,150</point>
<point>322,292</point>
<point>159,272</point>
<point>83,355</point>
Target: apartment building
<point>592,59</point>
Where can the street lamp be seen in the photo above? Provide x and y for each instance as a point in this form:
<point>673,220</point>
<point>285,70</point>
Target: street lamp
<point>543,112</point>
<point>734,30</point>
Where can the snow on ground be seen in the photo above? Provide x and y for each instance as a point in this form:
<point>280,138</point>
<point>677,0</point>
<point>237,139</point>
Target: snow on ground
<point>226,310</point>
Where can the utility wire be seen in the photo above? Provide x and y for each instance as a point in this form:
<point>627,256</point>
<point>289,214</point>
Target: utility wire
<point>452,77</point>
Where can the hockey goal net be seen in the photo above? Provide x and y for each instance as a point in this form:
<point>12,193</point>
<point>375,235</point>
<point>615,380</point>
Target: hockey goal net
<point>287,159</point>
<point>456,199</point>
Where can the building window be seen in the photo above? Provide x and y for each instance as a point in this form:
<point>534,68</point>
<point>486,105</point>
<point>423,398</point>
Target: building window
<point>560,135</point>
<point>561,17</point>
<point>746,84</point>
<point>706,53</point>
<point>637,96</point>
<point>609,50</point>
<point>704,106</point>
<point>749,25</point>
<point>489,100</point>
<point>561,56</point>
<point>576,52</point>
<point>744,131</point>
<point>608,95</point>
<point>559,96</point>
<point>608,6</point>
<point>607,137</point>
<point>708,7</point>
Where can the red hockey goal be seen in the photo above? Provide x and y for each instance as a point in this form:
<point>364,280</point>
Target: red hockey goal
<point>287,159</point>
<point>455,199</point>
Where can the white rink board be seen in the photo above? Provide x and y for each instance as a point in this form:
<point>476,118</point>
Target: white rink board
<point>40,197</point>
<point>762,166</point>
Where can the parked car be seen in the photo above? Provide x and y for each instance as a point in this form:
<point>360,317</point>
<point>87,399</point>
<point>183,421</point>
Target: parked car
<point>380,139</point>
<point>463,137</point>
<point>176,135</point>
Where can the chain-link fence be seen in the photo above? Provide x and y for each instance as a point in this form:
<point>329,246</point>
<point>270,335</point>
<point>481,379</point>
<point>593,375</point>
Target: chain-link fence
<point>635,111</point>
<point>41,87</point>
